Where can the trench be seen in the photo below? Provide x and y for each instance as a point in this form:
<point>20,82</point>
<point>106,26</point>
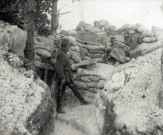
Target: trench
<point>82,119</point>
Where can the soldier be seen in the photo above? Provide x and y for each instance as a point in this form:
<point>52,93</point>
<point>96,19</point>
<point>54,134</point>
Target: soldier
<point>63,75</point>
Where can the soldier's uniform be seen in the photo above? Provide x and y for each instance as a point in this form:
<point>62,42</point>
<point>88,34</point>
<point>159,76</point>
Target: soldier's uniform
<point>63,72</point>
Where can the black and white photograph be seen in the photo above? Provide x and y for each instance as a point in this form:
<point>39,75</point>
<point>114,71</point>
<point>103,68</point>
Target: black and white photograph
<point>81,67</point>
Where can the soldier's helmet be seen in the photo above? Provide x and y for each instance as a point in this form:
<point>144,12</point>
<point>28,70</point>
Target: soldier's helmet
<point>65,43</point>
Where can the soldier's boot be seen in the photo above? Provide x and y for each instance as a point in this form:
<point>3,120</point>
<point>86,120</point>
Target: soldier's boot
<point>59,108</point>
<point>77,94</point>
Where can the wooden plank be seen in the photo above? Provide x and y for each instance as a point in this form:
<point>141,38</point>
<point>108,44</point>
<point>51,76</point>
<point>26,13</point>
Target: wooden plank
<point>46,75</point>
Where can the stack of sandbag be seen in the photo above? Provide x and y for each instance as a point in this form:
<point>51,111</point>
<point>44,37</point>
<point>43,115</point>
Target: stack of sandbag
<point>145,35</point>
<point>82,26</point>
<point>70,32</point>
<point>91,51</point>
<point>85,80</point>
<point>101,24</point>
<point>73,53</point>
<point>111,30</point>
<point>96,28</point>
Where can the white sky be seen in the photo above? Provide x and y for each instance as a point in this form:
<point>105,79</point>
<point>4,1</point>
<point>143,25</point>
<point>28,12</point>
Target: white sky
<point>118,12</point>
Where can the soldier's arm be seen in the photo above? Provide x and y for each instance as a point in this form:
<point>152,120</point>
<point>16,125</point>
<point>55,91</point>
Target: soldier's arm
<point>59,66</point>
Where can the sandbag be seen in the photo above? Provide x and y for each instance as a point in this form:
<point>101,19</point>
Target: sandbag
<point>83,63</point>
<point>148,34</point>
<point>68,55</point>
<point>43,53</point>
<point>94,90</point>
<point>86,58</point>
<point>84,50</point>
<point>94,55</point>
<point>74,48</point>
<point>153,39</point>
<point>72,40</point>
<point>102,23</point>
<point>100,84</point>
<point>94,47</point>
<point>82,23</point>
<point>125,26</point>
<point>96,51</point>
<point>91,85</point>
<point>112,28</point>
<point>102,34</point>
<point>140,29</point>
<point>146,39</point>
<point>158,33</point>
<point>85,79</point>
<point>71,32</point>
<point>78,28</point>
<point>42,47</point>
<point>82,54</point>
<point>71,61</point>
<point>107,26</point>
<point>81,85</point>
<point>94,78</point>
<point>88,27</point>
<point>131,32</point>
<point>100,60</point>
<point>17,41</point>
<point>83,72</point>
<point>76,58</point>
<point>96,30</point>
<point>75,53</point>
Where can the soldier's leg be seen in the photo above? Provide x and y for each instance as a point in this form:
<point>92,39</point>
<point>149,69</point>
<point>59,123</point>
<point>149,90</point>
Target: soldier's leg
<point>59,98</point>
<point>76,92</point>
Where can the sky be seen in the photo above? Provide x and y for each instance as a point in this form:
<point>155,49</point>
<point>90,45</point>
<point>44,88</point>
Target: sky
<point>148,13</point>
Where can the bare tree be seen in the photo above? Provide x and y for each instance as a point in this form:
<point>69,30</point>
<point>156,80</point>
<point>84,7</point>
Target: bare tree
<point>54,19</point>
